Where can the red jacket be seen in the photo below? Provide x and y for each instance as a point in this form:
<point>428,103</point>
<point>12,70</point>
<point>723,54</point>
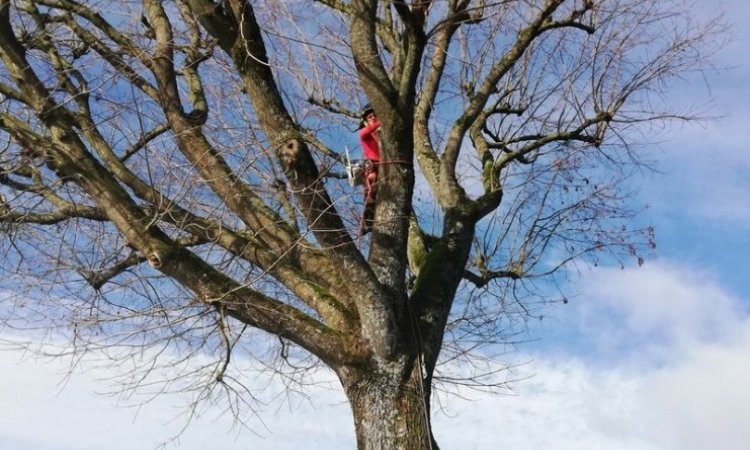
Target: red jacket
<point>368,139</point>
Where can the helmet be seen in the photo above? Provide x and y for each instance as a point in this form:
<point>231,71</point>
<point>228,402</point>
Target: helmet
<point>367,109</point>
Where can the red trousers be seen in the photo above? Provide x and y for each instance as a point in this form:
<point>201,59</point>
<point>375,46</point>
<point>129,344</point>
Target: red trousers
<point>371,192</point>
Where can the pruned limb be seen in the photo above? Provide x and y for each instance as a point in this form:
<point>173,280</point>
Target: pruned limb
<point>143,141</point>
<point>332,105</point>
<point>97,278</point>
<point>480,280</point>
<point>538,141</point>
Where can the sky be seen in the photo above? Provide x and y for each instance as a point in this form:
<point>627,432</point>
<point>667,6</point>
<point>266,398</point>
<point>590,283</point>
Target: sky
<point>646,358</point>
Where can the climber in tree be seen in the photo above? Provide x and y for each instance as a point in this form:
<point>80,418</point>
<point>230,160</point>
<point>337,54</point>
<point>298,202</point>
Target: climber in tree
<point>370,140</point>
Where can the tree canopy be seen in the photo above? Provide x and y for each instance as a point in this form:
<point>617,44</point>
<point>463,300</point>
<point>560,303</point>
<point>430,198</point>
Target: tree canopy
<point>172,177</point>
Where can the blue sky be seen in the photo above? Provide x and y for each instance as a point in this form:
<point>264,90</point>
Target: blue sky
<point>649,358</point>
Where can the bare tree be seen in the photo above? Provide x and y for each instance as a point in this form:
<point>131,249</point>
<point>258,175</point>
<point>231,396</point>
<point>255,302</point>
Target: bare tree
<point>170,178</point>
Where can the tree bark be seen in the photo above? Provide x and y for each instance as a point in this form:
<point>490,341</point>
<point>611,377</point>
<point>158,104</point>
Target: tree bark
<point>391,407</point>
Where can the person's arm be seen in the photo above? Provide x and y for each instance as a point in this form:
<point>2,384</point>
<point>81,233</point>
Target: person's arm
<point>369,129</point>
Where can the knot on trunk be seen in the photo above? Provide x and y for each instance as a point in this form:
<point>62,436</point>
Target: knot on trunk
<point>289,154</point>
<point>296,160</point>
<point>154,259</point>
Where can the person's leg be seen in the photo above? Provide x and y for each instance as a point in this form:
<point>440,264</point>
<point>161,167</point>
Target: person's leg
<point>370,192</point>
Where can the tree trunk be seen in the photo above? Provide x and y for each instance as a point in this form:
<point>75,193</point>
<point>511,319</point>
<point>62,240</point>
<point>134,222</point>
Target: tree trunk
<point>391,408</point>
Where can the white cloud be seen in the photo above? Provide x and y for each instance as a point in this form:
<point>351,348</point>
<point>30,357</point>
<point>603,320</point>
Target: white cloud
<point>702,402</point>
<point>669,305</point>
<point>559,408</point>
<point>684,380</point>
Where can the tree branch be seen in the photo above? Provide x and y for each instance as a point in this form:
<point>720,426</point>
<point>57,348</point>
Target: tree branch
<point>426,156</point>
<point>480,97</point>
<point>372,74</point>
<point>71,158</point>
<point>485,277</point>
<point>143,141</point>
